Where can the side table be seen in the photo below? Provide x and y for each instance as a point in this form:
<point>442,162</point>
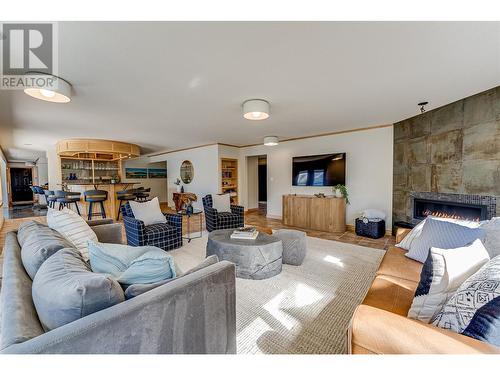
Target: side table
<point>195,213</point>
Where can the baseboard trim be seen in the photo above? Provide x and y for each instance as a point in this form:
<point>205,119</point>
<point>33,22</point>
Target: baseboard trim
<point>277,217</point>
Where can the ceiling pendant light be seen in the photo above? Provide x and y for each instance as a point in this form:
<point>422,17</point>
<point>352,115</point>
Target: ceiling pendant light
<point>271,141</point>
<point>256,109</point>
<point>49,88</point>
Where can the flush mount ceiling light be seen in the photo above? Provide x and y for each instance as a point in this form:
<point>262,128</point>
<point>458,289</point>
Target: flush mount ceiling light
<point>271,141</point>
<point>255,109</point>
<point>49,88</point>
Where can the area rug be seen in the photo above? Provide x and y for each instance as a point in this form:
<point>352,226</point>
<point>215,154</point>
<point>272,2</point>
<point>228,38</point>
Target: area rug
<point>305,309</point>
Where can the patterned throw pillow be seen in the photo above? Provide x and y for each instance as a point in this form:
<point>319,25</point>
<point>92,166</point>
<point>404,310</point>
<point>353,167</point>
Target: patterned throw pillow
<point>417,230</point>
<point>443,273</point>
<point>73,228</point>
<point>442,234</point>
<point>474,309</point>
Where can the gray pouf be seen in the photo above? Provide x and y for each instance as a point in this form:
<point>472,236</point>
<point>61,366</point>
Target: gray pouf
<point>254,259</point>
<point>294,245</point>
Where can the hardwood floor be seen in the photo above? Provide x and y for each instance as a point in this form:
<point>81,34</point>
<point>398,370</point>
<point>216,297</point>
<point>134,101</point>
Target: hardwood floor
<point>258,218</point>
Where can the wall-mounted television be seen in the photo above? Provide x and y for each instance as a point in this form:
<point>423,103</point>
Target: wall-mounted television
<point>319,170</point>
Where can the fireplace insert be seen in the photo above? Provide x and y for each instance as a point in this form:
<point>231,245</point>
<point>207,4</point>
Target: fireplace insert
<point>455,210</point>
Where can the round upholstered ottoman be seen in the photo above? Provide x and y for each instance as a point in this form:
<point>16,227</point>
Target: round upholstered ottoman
<point>294,245</point>
<point>254,259</point>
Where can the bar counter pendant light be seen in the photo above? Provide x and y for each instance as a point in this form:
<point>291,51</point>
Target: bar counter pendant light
<point>49,88</point>
<point>256,109</point>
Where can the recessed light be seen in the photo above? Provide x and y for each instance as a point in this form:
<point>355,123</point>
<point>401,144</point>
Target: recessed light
<point>28,144</point>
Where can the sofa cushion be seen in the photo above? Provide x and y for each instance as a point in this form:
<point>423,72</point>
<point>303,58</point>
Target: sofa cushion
<point>136,289</point>
<point>391,294</point>
<point>130,265</point>
<point>19,320</point>
<point>474,309</point>
<point>396,264</point>
<point>148,212</point>
<point>442,234</point>
<point>38,243</point>
<point>443,273</point>
<point>73,227</point>
<point>65,289</point>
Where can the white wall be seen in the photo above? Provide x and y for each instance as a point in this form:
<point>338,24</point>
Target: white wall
<point>158,185</point>
<point>368,169</point>
<point>206,171</point>
<point>53,169</point>
<point>3,182</point>
<point>43,171</point>
<point>252,201</point>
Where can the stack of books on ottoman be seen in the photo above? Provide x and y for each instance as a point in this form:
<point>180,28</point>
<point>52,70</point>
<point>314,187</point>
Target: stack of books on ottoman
<point>245,233</point>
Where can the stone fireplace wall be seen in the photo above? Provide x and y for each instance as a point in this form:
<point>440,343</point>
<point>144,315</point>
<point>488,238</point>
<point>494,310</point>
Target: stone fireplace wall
<point>452,149</point>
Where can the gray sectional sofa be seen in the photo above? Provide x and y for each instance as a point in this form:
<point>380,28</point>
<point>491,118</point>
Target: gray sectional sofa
<point>192,314</point>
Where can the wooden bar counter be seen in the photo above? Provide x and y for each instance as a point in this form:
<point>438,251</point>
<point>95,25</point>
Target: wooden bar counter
<point>110,205</point>
<point>93,164</point>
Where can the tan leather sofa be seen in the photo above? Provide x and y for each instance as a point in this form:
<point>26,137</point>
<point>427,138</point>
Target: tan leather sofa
<point>380,326</point>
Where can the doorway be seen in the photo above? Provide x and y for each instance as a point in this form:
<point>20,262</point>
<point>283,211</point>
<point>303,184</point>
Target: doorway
<point>257,184</point>
<point>21,180</point>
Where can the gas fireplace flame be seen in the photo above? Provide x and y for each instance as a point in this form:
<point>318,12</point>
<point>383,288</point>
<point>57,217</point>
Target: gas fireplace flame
<point>447,215</point>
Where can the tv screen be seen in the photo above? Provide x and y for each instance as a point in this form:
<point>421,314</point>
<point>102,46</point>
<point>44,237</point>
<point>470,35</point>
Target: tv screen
<point>318,170</point>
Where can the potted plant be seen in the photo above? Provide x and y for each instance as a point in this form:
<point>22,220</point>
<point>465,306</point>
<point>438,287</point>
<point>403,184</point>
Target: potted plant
<point>341,191</point>
<point>177,182</point>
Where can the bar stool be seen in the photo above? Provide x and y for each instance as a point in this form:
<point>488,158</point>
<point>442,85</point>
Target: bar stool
<point>66,198</point>
<point>95,196</point>
<point>51,198</point>
<point>142,194</point>
<point>124,196</point>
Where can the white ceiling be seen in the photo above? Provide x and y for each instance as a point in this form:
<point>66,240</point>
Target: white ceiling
<point>168,85</point>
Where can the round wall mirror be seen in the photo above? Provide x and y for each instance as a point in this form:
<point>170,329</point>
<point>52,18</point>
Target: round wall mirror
<point>187,171</point>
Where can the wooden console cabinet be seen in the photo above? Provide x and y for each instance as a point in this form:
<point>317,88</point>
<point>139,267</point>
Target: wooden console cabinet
<point>310,212</point>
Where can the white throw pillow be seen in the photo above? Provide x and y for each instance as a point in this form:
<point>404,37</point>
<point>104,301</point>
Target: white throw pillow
<point>148,212</point>
<point>417,230</point>
<point>443,273</point>
<point>72,227</point>
<point>222,203</point>
<point>492,236</point>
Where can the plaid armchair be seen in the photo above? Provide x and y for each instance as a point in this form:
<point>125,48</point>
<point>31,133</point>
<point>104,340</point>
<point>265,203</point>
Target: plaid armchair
<point>166,236</point>
<point>222,220</point>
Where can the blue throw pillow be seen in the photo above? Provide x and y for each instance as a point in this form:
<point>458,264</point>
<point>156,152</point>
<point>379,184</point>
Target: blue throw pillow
<point>474,309</point>
<point>131,265</point>
<point>444,235</point>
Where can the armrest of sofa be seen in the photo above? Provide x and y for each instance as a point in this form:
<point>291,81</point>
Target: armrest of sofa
<point>401,233</point>
<point>194,314</point>
<point>378,331</point>
<point>94,222</point>
<point>210,211</point>
<point>237,209</point>
<point>109,233</point>
<point>174,220</point>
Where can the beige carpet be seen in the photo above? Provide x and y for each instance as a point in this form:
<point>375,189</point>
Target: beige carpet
<point>305,309</point>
